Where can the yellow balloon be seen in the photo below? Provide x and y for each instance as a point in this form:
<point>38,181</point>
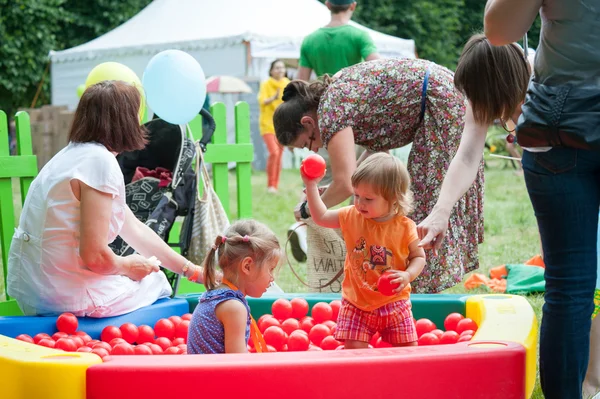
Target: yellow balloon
<point>117,71</point>
<point>80,89</point>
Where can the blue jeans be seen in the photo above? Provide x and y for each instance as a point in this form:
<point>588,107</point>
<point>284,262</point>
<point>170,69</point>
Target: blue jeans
<point>564,188</point>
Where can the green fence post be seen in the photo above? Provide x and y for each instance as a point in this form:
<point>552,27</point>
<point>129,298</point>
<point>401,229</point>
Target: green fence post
<point>7,222</point>
<point>218,159</point>
<point>25,148</point>
<point>22,166</point>
<point>243,169</point>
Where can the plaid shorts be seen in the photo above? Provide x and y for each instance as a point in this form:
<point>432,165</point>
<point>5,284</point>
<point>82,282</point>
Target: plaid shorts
<point>393,321</point>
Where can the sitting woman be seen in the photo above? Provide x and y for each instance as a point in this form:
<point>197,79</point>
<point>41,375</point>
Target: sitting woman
<point>59,259</point>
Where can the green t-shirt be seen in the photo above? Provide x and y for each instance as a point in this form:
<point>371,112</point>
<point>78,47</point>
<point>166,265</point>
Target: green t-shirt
<point>328,50</point>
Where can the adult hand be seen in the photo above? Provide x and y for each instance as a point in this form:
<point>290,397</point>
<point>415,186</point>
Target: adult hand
<point>137,267</point>
<point>432,230</point>
<point>302,199</point>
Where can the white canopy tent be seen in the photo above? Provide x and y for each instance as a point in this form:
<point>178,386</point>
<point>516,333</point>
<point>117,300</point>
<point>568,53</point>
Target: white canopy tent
<point>235,37</point>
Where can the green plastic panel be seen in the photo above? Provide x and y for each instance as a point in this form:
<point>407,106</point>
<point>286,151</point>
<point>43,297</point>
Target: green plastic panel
<point>432,306</point>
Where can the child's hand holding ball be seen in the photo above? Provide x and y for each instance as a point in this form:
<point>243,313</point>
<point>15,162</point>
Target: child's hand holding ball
<point>312,168</point>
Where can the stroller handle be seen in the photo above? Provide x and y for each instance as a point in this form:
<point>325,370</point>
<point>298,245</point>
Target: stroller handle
<point>208,132</point>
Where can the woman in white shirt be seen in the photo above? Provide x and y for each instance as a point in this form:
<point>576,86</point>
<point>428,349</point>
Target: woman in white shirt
<point>59,258</point>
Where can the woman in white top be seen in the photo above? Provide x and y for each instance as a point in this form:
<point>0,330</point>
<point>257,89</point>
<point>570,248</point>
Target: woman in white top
<point>59,259</point>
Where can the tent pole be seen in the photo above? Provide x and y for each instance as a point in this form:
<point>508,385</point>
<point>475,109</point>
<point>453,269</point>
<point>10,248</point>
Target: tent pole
<point>248,57</point>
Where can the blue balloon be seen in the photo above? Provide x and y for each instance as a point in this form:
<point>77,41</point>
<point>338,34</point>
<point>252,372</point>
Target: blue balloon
<point>175,86</point>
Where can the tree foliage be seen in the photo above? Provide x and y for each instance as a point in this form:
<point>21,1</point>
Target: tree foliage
<point>433,24</point>
<point>29,29</point>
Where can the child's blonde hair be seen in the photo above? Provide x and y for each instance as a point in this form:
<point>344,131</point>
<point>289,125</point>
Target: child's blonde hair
<point>242,239</point>
<point>388,177</point>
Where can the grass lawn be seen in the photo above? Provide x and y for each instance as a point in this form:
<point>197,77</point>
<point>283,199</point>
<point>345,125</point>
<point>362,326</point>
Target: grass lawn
<point>510,227</point>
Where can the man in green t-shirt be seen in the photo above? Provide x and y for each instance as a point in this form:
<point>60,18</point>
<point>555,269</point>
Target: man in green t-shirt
<point>337,45</point>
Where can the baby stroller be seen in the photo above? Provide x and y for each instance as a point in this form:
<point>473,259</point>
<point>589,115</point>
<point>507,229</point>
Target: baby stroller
<point>160,183</point>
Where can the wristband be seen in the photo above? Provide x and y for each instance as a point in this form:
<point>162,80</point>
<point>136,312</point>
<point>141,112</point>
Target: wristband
<point>194,277</point>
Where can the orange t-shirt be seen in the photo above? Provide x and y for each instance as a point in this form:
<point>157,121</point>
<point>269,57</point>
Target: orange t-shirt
<point>373,248</point>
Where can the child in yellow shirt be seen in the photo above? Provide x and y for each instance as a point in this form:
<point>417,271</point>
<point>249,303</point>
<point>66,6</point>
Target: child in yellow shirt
<point>269,98</point>
<point>379,238</point>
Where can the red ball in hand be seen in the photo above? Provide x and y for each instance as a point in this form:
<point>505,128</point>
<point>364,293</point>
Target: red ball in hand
<point>385,285</point>
<point>313,166</point>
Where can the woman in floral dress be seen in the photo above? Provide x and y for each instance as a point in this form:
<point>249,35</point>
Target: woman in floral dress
<point>382,105</point>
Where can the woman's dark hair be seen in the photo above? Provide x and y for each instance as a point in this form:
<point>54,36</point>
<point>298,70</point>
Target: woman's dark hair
<point>299,98</point>
<point>493,78</point>
<point>108,113</point>
<point>273,66</point>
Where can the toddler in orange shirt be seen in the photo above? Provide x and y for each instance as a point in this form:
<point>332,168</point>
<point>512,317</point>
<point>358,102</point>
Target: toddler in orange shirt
<point>379,238</point>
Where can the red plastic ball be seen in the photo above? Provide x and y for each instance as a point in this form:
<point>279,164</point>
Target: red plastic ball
<point>103,345</point>
<point>335,307</point>
<point>85,349</point>
<point>424,326</point>
<point>449,337</point>
<point>109,333</point>
<point>142,350</point>
<point>79,342</point>
<point>181,330</point>
<point>101,352</point>
<point>313,166</point>
<point>268,322</point>
<point>465,338</point>
<point>164,328</point>
<point>38,337</point>
<point>58,335</point>
<point>322,312</point>
<point>298,341</point>
<point>275,336</point>
<point>282,309</point>
<point>66,344</point>
<point>290,325</point>
<point>67,323</point>
<point>466,324</point>
<point>299,308</point>
<point>172,350</point>
<point>47,342</point>
<point>318,333</point>
<point>428,339</point>
<point>25,338</point>
<point>163,342</point>
<point>145,334</point>
<point>384,284</point>
<point>452,320</point>
<point>329,343</point>
<point>122,349</point>
<point>130,332</point>
<point>307,323</point>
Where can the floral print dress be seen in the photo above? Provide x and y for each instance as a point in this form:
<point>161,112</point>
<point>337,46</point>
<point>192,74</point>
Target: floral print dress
<point>382,101</point>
